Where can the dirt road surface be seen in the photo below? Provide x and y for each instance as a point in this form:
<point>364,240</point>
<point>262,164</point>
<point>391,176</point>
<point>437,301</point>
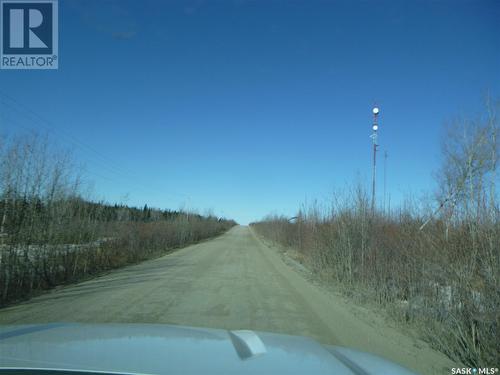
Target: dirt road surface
<point>234,281</point>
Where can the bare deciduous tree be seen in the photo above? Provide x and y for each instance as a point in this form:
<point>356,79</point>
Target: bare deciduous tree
<point>440,274</point>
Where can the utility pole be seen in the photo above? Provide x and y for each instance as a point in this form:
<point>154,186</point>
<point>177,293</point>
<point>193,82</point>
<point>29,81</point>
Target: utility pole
<point>187,209</point>
<point>7,192</point>
<point>375,146</point>
<point>385,177</point>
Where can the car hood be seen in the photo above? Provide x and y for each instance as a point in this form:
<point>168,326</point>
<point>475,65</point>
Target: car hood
<point>166,349</point>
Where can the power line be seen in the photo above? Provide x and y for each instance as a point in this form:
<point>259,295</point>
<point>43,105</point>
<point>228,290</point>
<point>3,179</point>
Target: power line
<point>104,162</point>
<point>49,126</point>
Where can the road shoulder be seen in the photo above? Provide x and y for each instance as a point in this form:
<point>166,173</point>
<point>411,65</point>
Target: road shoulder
<point>355,325</point>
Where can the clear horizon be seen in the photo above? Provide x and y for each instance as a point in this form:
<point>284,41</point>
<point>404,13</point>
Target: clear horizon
<point>250,108</point>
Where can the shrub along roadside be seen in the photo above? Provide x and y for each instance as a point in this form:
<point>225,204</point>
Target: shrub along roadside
<point>28,269</point>
<point>421,279</point>
<point>50,234</point>
<point>438,270</point>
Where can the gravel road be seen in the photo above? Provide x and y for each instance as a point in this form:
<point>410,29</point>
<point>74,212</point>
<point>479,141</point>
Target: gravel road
<point>234,281</point>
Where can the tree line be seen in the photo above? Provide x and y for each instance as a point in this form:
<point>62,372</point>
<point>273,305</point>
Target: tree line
<point>51,232</point>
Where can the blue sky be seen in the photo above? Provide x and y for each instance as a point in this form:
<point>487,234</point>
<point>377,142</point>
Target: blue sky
<point>251,107</point>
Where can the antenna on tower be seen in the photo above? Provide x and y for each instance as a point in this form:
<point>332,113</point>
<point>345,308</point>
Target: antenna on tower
<point>375,112</point>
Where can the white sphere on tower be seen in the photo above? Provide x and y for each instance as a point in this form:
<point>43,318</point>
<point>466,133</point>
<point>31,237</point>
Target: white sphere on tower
<point>375,110</point>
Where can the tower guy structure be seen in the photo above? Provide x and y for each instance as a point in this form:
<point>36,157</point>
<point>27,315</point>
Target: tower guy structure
<point>375,112</point>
